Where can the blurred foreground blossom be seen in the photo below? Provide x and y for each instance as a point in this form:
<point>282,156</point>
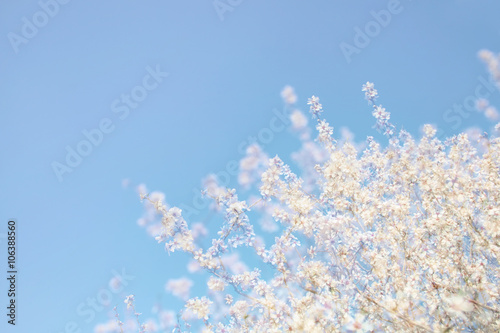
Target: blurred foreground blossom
<point>288,95</point>
<point>179,287</point>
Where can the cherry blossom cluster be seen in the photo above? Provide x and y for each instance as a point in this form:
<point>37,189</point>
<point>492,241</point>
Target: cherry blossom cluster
<point>380,114</point>
<point>366,238</point>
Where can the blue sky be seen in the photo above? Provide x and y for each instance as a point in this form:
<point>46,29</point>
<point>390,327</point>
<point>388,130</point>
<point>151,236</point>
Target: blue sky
<point>224,80</point>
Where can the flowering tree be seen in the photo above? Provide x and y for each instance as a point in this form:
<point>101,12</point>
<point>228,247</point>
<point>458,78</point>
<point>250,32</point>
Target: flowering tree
<point>397,238</point>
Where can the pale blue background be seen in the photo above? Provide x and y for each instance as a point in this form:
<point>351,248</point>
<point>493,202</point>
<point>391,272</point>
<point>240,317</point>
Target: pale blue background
<point>225,79</point>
